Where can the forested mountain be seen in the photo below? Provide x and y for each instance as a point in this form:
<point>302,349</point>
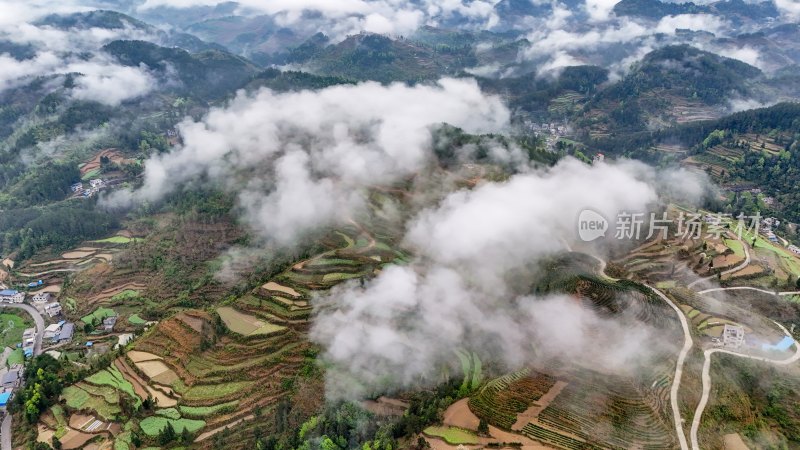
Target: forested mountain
<point>208,74</point>
<point>374,57</point>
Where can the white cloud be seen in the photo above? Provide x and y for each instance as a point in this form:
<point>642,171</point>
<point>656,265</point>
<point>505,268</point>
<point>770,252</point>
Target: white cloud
<point>474,251</point>
<point>109,83</point>
<point>789,8</point>
<point>298,160</point>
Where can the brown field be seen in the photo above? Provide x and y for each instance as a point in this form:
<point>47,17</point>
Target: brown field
<point>94,163</point>
<point>136,356</point>
<point>749,270</point>
<point>162,400</point>
<point>459,415</point>
<point>75,439</point>
<point>245,324</point>
<point>132,377</point>
<point>273,286</point>
<point>77,254</point>
<point>45,434</point>
<point>153,368</point>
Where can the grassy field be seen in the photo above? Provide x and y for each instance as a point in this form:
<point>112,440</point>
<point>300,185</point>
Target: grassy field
<point>736,246</point>
<point>115,240</point>
<point>154,424</point>
<point>112,377</point>
<point>212,391</point>
<point>11,328</point>
<point>205,411</point>
<point>127,294</point>
<point>134,319</point>
<point>98,315</point>
<point>16,357</point>
<point>452,435</point>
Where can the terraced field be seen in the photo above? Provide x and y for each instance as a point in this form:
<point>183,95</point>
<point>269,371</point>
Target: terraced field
<point>204,376</point>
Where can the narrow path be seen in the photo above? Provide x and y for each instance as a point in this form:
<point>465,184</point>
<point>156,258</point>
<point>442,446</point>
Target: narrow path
<point>741,266</point>
<point>36,275</point>
<point>5,427</point>
<point>701,406</point>
<point>676,381</point>
<point>748,288</point>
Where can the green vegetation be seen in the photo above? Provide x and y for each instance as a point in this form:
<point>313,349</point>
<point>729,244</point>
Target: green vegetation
<point>134,319</point>
<point>112,377</point>
<point>153,425</point>
<point>127,294</point>
<point>62,225</point>
<point>16,357</point>
<point>43,385</point>
<point>11,328</point>
<point>452,435</point>
<point>205,411</point>
<point>98,316</point>
<point>115,240</point>
<point>214,391</point>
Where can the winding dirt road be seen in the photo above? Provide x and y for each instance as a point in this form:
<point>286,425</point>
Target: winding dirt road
<point>676,381</point>
<point>701,406</point>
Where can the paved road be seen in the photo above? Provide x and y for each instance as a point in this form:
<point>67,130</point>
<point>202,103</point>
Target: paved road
<point>676,380</point>
<point>725,272</point>
<point>698,414</point>
<point>5,427</point>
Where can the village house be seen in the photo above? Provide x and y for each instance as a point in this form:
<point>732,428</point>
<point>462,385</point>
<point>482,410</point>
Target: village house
<point>11,296</point>
<point>732,336</point>
<point>77,187</point>
<point>96,183</point>
<point>28,337</point>
<point>11,379</point>
<point>66,333</point>
<point>52,331</point>
<point>109,322</point>
<point>42,297</point>
<point>52,309</point>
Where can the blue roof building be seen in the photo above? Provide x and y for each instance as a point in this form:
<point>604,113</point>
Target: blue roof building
<point>8,293</point>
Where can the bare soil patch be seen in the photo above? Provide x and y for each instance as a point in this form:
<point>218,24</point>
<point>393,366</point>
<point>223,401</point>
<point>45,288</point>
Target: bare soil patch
<point>273,286</point>
<point>77,254</point>
<point>75,439</point>
<point>138,356</point>
<point>733,441</point>
<point>459,415</point>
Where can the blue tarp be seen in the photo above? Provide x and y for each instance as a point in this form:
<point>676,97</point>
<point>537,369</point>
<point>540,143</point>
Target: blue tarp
<point>783,345</point>
<point>4,398</point>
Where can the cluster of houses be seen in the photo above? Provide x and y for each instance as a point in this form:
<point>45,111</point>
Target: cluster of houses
<point>10,379</point>
<point>766,226</point>
<point>59,333</point>
<point>45,303</point>
<point>550,131</point>
<point>11,296</point>
<point>94,187</point>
